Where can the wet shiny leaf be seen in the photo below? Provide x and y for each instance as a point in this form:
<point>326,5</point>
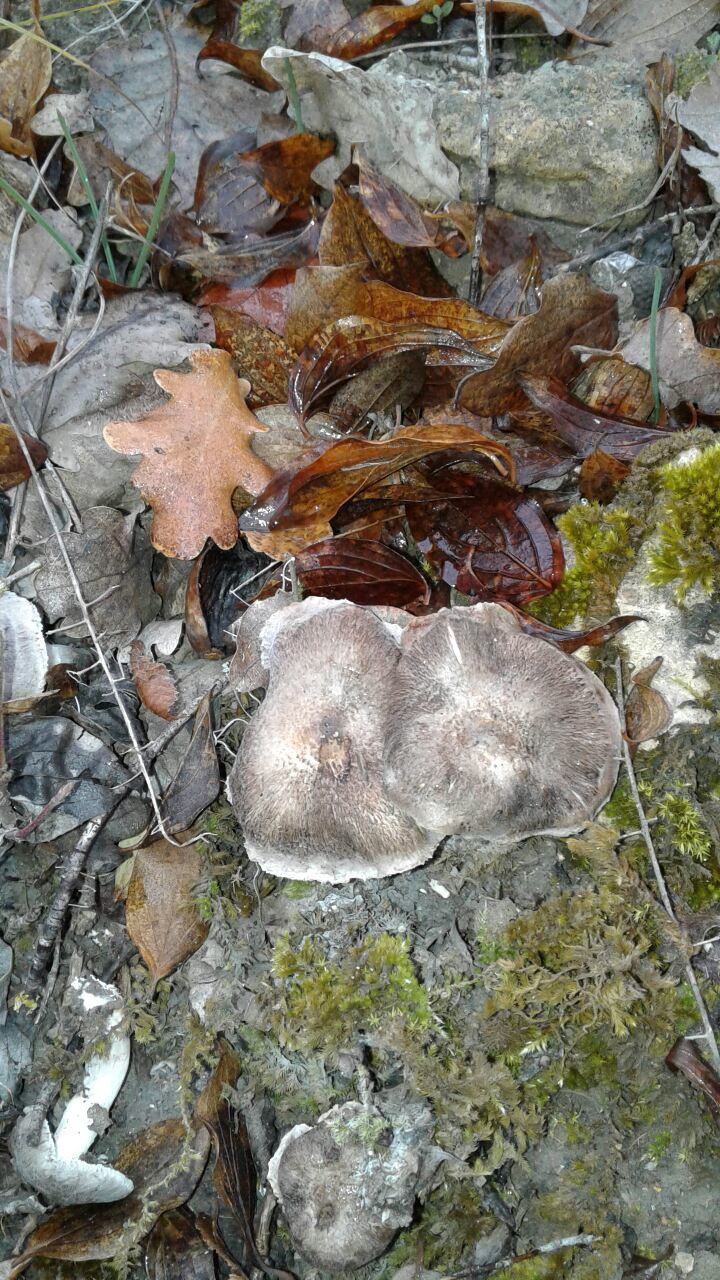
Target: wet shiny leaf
<point>401,218</point>
<point>568,640</point>
<point>584,429</point>
<point>260,355</point>
<point>515,291</point>
<point>647,713</point>
<point>601,476</point>
<point>362,571</point>
<point>374,27</point>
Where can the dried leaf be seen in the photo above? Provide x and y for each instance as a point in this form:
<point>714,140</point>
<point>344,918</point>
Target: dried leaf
<point>613,386</point>
<point>645,31</point>
<point>162,917</point>
<point>206,418</point>
<point>197,781</point>
<point>25,73</point>
<point>401,218</point>
<point>312,21</point>
<point>686,369</point>
<point>686,1058</point>
<point>241,265</point>
<point>488,540</point>
<point>349,235</point>
<point>701,115</point>
<point>362,571</point>
<point>154,683</point>
<point>176,1250</point>
<point>572,311</point>
<point>28,346</point>
<point>506,237</point>
<point>240,189</point>
<point>372,28</point>
<point>601,476</point>
<point>23,655</point>
<point>266,303</point>
<point>247,62</point>
<point>647,712</point>
<point>164,1162</point>
<point>515,291</point>
<point>584,429</point>
<point>13,467</point>
<point>260,356</point>
<point>297,506</point>
<point>570,641</point>
<point>234,1176</point>
<point>337,351</point>
<point>103,168</point>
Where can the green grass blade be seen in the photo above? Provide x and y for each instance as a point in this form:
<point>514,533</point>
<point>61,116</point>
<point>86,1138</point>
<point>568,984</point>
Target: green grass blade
<point>655,416</point>
<point>154,221</point>
<point>15,195</point>
<point>83,176</point>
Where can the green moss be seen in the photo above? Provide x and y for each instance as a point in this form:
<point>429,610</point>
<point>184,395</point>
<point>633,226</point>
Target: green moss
<point>604,549</point>
<point>691,67</point>
<point>688,553</point>
<point>450,1222</point>
<point>326,1004</point>
<point>686,829</point>
<point>256,19</point>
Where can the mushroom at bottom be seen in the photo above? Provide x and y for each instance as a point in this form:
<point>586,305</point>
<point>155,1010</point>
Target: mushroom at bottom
<point>496,733</point>
<point>307,783</point>
<point>346,1186</point>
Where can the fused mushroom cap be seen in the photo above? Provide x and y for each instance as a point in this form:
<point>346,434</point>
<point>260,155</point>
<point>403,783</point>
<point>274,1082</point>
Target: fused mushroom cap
<point>246,669</point>
<point>345,1186</point>
<point>495,732</point>
<point>307,783</point>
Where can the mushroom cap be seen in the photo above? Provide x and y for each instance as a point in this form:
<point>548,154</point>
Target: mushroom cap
<point>497,733</point>
<point>246,669</point>
<point>345,1186</point>
<point>307,783</point>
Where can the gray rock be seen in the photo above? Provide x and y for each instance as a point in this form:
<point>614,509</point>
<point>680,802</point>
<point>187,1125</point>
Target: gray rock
<point>707,1265</point>
<point>632,283</point>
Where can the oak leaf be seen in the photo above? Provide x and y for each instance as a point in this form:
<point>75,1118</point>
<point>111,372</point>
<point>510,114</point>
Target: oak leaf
<point>162,916</point>
<point>196,452</point>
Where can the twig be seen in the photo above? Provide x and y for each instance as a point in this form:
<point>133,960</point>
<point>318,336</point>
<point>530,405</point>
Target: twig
<point>631,238</point>
<point>705,244</point>
<point>709,1033</point>
<point>484,159</point>
<point>654,379</point>
<point>22,833</point>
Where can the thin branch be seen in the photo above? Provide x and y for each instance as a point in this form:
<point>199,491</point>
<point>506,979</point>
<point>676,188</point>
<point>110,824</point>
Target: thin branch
<point>632,237</point>
<point>709,1032</point>
<point>484,158</point>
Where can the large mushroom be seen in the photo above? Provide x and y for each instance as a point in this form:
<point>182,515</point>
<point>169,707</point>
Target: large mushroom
<point>497,733</point>
<point>307,783</point>
<point>348,1184</point>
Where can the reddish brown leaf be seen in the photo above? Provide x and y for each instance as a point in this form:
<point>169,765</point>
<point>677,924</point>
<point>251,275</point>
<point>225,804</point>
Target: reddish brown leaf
<point>176,1250</point>
<point>162,916</point>
<point>601,476</point>
<point>506,237</point>
<point>247,62</point>
<point>234,1176</point>
<point>567,640</point>
<point>243,264</point>
<point>349,235</point>
<point>266,304</point>
<point>362,571</point>
<point>685,1057</point>
<point>515,291</point>
<point>260,355</point>
<point>572,311</point>
<point>13,467</point>
<point>154,683</point>
<point>312,22</point>
<point>615,387</point>
<point>584,429</point>
<point>205,419</point>
<point>488,540</point>
<point>29,347</point>
<point>374,27</point>
<point>296,508</point>
<point>164,1162</point>
<point>337,351</point>
<point>536,451</point>
<point>401,218</point>
<point>229,197</point>
<point>647,712</point>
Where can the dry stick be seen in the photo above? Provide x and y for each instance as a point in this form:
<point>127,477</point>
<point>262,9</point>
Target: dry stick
<point>709,1033</point>
<point>702,248</point>
<point>484,160</point>
<point>631,238</point>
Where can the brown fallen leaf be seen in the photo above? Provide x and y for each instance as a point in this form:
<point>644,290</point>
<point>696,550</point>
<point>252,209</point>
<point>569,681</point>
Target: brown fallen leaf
<point>13,467</point>
<point>686,369</point>
<point>381,388</point>
<point>247,62</point>
<point>584,429</point>
<point>613,386</point>
<point>25,73</point>
<point>164,1162</point>
<point>28,346</point>
<point>362,571</point>
<point>238,264</point>
<point>536,451</point>
<point>515,290</point>
<point>162,917</point>
<point>349,235</point>
<point>372,28</point>
<point>570,641</point>
<point>311,23</point>
<point>154,683</point>
<point>266,303</point>
<point>506,237</point>
<point>176,1251</point>
<point>296,508</point>
<point>601,476</point>
<point>234,1176</point>
<point>324,294</point>
<point>644,32</point>
<point>339,350</point>
<point>241,188</point>
<point>572,311</point>
<point>196,452</point>
<point>260,356</point>
<point>647,712</point>
<point>197,781</point>
<point>104,167</point>
<point>401,218</point>
<point>686,1058</point>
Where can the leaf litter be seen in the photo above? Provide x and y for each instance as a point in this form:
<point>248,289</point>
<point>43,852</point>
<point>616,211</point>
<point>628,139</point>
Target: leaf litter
<point>298,400</point>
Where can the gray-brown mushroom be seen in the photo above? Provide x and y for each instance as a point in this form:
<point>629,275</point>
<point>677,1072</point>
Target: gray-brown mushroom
<point>497,733</point>
<point>307,783</point>
<point>346,1185</point>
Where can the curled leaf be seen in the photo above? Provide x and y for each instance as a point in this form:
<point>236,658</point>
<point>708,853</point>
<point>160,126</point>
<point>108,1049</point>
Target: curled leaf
<point>570,641</point>
<point>360,570</point>
<point>647,712</point>
<point>584,429</point>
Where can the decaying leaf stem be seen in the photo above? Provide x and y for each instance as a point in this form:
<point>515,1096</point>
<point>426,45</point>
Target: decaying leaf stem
<point>708,1029</point>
